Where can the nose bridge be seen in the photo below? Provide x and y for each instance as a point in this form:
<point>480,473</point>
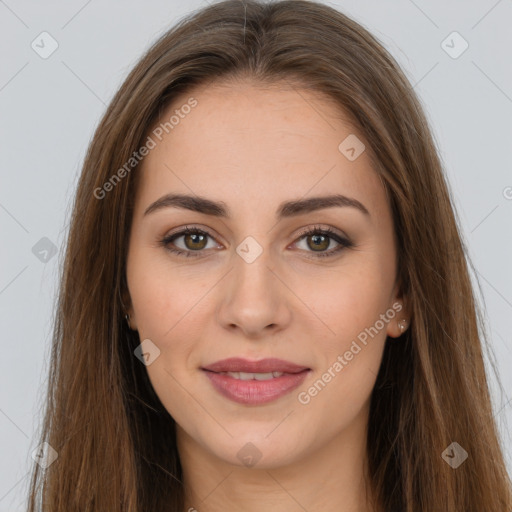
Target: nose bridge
<point>252,277</point>
<point>254,298</point>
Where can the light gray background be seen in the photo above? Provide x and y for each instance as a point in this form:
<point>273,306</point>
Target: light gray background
<point>50,107</point>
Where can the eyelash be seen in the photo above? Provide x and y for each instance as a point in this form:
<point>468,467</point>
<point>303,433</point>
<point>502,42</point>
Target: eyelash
<point>316,230</point>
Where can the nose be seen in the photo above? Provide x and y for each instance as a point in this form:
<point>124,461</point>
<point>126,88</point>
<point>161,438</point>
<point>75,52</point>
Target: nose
<point>254,299</point>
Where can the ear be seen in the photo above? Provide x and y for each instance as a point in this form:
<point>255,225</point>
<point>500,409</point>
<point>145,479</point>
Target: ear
<point>402,319</point>
<point>128,307</point>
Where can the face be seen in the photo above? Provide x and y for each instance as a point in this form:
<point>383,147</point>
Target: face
<point>253,283</point>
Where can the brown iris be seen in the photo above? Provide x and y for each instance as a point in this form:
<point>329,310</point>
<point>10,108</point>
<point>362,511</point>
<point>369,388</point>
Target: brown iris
<point>319,245</point>
<point>198,241</point>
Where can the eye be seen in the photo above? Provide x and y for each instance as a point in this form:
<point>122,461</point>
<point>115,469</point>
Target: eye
<point>321,238</point>
<point>195,240</point>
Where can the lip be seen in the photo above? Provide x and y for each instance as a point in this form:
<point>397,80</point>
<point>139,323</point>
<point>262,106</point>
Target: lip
<point>239,364</point>
<point>255,392</point>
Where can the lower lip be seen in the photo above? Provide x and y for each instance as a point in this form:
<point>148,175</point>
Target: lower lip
<point>255,392</point>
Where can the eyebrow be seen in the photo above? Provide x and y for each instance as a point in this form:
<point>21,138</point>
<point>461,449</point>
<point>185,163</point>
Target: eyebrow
<point>285,209</point>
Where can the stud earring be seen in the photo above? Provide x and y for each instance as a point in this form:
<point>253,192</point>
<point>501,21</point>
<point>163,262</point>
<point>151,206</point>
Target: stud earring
<point>402,325</point>
<point>127,316</point>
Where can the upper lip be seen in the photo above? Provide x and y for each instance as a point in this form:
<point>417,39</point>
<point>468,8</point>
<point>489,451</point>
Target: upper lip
<point>239,364</point>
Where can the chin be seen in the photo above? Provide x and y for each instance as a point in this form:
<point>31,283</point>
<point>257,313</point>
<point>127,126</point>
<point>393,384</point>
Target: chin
<point>258,451</point>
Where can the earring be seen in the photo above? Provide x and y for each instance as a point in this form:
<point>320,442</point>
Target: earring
<point>127,316</point>
<point>402,324</point>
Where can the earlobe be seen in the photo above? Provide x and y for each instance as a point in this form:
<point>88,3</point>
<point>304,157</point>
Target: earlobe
<point>127,310</point>
<point>400,322</point>
<point>126,306</point>
<point>397,326</point>
<point>130,321</point>
<point>402,325</point>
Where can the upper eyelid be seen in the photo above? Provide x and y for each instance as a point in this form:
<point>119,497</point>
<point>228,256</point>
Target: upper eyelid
<point>331,233</point>
<point>302,232</point>
<point>183,231</point>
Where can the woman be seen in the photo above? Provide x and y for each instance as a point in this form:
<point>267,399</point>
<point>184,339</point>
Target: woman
<point>265,302</point>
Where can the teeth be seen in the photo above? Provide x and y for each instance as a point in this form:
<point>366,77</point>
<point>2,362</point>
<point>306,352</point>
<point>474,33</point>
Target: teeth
<point>250,376</point>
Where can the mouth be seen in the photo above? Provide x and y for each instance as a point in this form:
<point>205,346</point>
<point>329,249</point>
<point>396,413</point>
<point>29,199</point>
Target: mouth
<point>254,376</point>
<point>266,367</point>
<point>238,379</point>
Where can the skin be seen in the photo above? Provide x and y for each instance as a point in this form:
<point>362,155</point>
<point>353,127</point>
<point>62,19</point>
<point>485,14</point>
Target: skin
<point>253,147</point>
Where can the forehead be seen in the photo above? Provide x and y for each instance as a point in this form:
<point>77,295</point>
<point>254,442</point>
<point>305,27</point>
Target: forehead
<point>253,146</point>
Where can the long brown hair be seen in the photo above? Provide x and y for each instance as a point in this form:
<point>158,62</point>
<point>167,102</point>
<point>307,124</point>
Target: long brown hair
<point>114,439</point>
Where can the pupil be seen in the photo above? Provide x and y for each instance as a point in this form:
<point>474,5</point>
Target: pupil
<point>317,242</point>
<point>194,239</point>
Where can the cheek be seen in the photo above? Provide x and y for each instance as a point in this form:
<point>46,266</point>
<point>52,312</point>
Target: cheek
<point>349,361</point>
<point>167,304</point>
<point>161,295</point>
<point>350,304</point>
<point>165,314</point>
<point>345,301</point>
